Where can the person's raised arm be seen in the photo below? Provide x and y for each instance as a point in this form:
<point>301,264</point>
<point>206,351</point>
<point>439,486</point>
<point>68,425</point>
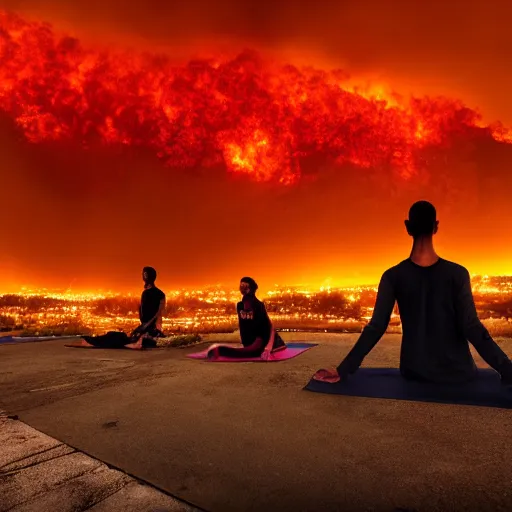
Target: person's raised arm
<point>475,332</point>
<point>370,336</point>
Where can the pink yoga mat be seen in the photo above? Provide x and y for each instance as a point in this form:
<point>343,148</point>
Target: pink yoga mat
<point>291,350</point>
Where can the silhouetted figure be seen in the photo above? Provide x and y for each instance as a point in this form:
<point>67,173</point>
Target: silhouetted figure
<point>437,311</point>
<point>256,331</point>
<point>152,305</point>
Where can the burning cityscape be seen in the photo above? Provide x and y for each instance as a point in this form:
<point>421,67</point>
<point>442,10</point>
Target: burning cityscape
<point>212,309</point>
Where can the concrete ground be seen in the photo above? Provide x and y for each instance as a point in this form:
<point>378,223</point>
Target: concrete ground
<point>246,437</point>
<point>40,474</point>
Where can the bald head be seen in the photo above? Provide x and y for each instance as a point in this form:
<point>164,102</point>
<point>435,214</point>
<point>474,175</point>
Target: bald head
<point>422,220</point>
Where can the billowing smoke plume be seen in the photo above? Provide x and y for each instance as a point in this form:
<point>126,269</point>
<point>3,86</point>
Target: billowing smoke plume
<point>249,116</point>
<point>112,160</point>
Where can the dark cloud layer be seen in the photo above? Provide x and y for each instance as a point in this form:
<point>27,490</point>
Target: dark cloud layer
<point>461,47</point>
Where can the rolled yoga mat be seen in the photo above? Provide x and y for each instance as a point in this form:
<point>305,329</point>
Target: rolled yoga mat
<point>292,350</point>
<point>387,383</point>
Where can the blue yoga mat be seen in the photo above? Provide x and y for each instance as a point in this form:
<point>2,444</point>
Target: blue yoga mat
<point>301,345</point>
<point>485,391</point>
<point>10,340</point>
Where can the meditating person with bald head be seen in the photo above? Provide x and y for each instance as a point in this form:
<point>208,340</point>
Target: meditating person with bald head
<point>437,312</point>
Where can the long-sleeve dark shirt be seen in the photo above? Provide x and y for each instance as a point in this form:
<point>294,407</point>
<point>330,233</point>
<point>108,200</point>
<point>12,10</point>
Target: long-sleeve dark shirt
<point>253,320</point>
<point>255,329</point>
<point>438,318</point>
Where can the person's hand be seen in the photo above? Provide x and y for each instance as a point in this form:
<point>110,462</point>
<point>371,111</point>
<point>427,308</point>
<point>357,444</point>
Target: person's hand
<point>330,375</point>
<point>266,355</point>
<point>138,330</point>
<point>135,335</point>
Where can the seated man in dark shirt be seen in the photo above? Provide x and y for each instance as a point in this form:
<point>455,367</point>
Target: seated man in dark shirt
<point>257,334</point>
<point>152,305</point>
<point>437,311</point>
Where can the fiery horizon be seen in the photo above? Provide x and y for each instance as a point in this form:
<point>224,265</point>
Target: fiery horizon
<point>481,283</point>
<point>210,166</point>
<point>212,309</point>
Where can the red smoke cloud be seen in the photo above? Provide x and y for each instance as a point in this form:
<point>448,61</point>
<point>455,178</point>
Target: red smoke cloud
<point>245,114</point>
<point>82,130</point>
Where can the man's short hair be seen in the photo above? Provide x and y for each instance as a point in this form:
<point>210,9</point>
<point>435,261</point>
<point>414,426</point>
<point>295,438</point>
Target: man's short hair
<point>251,282</point>
<point>149,274</point>
<point>422,218</point>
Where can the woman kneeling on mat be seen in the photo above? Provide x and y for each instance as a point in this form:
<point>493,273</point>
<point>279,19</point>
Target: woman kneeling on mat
<point>258,336</point>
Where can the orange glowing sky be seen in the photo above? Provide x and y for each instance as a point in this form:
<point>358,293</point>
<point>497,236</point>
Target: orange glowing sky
<point>92,218</point>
